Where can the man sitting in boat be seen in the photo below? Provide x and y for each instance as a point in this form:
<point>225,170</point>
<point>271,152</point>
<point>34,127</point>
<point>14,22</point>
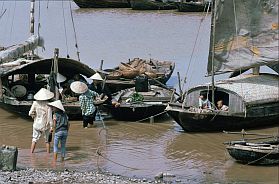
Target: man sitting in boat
<point>204,103</point>
<point>221,106</point>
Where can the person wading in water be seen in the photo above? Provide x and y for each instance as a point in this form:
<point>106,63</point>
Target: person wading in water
<point>41,113</point>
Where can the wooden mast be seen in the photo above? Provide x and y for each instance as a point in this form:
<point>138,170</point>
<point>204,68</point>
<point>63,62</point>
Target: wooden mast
<point>212,55</point>
<point>55,71</point>
<point>32,20</point>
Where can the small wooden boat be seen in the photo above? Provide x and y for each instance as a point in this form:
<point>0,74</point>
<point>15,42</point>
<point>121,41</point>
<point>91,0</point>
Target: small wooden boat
<point>259,153</point>
<point>135,105</point>
<point>122,77</point>
<point>103,3</point>
<point>21,79</point>
<point>193,6</point>
<point>153,5</point>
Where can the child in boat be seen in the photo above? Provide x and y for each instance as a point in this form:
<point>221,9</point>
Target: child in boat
<point>221,106</point>
<point>60,127</point>
<point>204,103</point>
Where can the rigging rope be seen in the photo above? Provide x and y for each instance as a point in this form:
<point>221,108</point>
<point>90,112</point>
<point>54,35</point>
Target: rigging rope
<point>39,23</point>
<point>75,34</point>
<point>11,30</point>
<point>195,43</point>
<point>65,30</point>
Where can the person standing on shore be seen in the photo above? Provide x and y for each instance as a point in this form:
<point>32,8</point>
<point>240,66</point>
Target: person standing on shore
<point>41,113</point>
<point>60,127</point>
<point>86,100</point>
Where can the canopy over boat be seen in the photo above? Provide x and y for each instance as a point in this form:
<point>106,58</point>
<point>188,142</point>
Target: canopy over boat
<point>244,35</point>
<point>68,68</point>
<point>16,51</point>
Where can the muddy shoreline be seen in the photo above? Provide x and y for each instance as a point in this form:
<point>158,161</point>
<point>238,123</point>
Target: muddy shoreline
<point>30,175</point>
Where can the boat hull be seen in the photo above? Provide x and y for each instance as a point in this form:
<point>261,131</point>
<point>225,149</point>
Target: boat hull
<point>204,122</point>
<point>103,3</point>
<point>254,156</point>
<point>152,5</point>
<point>73,111</point>
<point>192,7</point>
<point>135,112</point>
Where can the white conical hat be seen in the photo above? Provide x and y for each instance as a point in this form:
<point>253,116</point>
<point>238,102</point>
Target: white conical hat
<point>78,87</point>
<point>96,76</point>
<point>57,104</point>
<point>60,78</point>
<point>43,94</point>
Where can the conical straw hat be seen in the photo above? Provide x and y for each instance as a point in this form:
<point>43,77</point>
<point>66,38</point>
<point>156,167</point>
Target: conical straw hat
<point>96,76</point>
<point>78,87</point>
<point>57,104</point>
<point>60,78</point>
<point>43,94</point>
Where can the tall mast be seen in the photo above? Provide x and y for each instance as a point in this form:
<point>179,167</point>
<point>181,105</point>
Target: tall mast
<point>32,19</point>
<point>213,51</point>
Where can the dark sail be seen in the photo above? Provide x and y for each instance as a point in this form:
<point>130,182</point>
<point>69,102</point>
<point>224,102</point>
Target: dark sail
<point>246,35</point>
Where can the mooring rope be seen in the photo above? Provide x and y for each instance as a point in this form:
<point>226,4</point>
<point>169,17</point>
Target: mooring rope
<point>99,153</point>
<point>152,116</point>
<point>260,158</point>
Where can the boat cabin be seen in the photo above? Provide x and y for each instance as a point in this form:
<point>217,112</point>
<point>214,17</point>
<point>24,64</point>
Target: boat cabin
<point>239,93</point>
<point>23,79</point>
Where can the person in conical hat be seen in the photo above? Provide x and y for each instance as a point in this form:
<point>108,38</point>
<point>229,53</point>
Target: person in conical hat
<point>98,86</point>
<point>41,113</point>
<point>86,100</point>
<point>78,87</point>
<point>60,127</point>
<point>43,94</point>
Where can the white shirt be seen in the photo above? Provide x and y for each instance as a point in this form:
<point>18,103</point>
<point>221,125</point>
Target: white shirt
<point>42,115</point>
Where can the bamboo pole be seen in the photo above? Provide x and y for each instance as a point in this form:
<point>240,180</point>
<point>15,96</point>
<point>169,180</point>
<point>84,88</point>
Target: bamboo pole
<point>1,89</point>
<point>55,70</point>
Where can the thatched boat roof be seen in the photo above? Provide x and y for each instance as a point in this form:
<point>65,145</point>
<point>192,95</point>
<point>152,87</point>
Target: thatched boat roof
<point>66,67</point>
<point>252,89</point>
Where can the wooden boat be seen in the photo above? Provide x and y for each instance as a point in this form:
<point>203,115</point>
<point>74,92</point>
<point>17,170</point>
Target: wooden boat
<point>22,74</point>
<point>193,6</point>
<point>255,153</point>
<point>136,106</point>
<point>252,98</point>
<point>153,5</point>
<point>122,77</point>
<point>18,91</point>
<point>103,3</point>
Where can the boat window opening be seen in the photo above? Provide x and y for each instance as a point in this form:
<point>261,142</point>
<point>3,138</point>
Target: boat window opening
<point>218,95</point>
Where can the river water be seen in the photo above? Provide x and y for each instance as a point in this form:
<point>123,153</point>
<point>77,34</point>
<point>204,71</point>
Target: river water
<point>127,148</point>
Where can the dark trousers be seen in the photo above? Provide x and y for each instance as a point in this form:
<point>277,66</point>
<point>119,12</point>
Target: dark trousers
<point>88,120</point>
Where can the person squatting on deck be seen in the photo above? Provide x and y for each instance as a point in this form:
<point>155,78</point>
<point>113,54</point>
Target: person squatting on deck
<point>41,113</point>
<point>86,100</point>
<point>60,127</point>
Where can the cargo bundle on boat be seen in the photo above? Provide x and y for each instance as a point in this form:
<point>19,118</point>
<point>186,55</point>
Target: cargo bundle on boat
<point>251,100</point>
<point>153,4</point>
<point>122,77</point>
<point>103,3</point>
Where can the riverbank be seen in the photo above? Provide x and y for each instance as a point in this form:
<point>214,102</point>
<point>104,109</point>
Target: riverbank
<point>31,176</point>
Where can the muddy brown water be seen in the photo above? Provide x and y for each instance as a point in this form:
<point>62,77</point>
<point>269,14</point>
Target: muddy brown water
<point>139,149</point>
<point>128,148</point>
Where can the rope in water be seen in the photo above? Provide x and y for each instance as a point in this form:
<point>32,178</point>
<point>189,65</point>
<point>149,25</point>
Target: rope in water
<point>254,161</point>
